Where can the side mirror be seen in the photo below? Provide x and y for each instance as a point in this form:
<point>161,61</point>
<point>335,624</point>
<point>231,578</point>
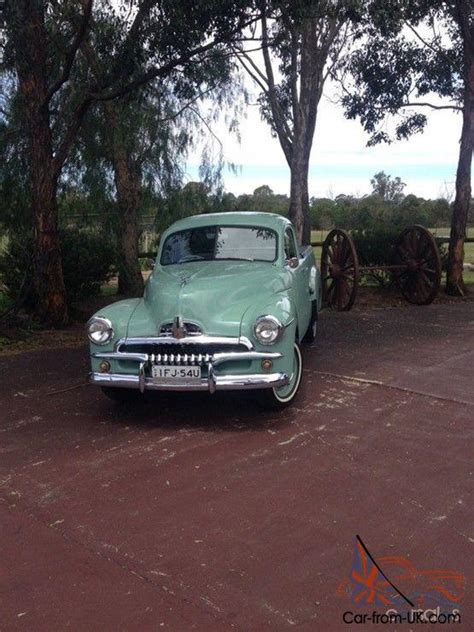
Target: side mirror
<point>293,262</point>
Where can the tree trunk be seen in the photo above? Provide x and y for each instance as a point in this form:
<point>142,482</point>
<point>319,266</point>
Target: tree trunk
<point>306,238</point>
<point>127,183</point>
<point>130,276</point>
<point>455,282</point>
<point>299,200</point>
<point>48,282</point>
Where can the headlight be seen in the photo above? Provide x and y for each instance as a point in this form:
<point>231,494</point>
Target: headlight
<point>267,329</point>
<point>100,330</point>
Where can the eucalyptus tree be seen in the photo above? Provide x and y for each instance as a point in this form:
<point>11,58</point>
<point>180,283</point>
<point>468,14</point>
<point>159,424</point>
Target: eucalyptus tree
<point>140,142</point>
<point>144,136</point>
<point>41,40</point>
<point>301,42</point>
<point>419,55</point>
<point>387,188</point>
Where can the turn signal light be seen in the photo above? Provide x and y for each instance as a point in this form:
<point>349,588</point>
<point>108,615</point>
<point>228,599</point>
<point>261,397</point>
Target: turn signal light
<point>104,366</point>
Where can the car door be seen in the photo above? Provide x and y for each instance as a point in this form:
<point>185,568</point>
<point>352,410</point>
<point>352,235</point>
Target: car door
<point>300,274</point>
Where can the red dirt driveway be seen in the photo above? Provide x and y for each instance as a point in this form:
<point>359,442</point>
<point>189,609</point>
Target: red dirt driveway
<point>205,513</point>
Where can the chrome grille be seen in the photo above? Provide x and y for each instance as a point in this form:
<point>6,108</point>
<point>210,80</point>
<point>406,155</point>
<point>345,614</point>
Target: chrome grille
<point>183,359</point>
<point>167,350</point>
<point>179,349</point>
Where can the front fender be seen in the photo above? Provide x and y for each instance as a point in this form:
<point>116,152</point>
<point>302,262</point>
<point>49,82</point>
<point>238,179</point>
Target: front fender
<point>119,314</point>
<point>282,307</point>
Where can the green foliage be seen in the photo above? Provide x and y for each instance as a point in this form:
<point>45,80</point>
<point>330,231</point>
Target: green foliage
<point>363,213</point>
<point>410,51</point>
<point>192,199</point>
<point>375,247</point>
<point>88,260</point>
<point>15,262</point>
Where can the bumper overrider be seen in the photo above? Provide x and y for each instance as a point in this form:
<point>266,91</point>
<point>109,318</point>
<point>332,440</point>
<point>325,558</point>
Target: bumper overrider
<point>161,350</point>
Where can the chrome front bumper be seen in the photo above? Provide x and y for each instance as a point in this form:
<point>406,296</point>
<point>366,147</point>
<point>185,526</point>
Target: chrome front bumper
<point>143,382</point>
<point>211,383</point>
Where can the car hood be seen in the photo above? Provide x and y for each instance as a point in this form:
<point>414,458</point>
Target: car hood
<point>214,294</point>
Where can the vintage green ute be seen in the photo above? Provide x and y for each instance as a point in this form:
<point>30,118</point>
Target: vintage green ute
<point>230,299</point>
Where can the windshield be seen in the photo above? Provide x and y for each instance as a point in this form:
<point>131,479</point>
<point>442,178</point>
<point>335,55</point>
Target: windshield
<point>211,243</point>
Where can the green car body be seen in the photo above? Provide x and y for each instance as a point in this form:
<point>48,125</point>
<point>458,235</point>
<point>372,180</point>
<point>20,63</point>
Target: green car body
<point>204,312</point>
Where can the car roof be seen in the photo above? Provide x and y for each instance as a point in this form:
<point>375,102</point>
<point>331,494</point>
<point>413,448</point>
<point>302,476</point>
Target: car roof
<point>244,218</point>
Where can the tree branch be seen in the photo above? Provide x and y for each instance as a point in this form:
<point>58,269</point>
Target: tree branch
<point>72,129</point>
<point>294,73</point>
<point>280,124</point>
<point>185,106</point>
<point>71,53</point>
<point>252,64</point>
<point>438,51</point>
<point>253,76</point>
<point>432,105</point>
<point>145,6</point>
<point>165,69</point>
<point>203,120</point>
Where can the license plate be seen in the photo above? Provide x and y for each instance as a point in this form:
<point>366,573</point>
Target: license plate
<point>165,373</point>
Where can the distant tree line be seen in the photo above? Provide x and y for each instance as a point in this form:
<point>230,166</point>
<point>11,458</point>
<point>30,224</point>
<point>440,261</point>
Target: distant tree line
<point>386,205</point>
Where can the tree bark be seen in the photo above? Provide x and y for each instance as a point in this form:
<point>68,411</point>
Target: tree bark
<point>127,183</point>
<point>299,202</point>
<point>49,292</point>
<point>455,283</point>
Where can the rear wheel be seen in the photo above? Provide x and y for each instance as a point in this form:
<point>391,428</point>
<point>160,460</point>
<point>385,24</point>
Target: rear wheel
<point>121,395</point>
<point>276,398</point>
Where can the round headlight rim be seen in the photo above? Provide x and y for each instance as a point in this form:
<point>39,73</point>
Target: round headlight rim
<point>275,321</point>
<point>107,323</point>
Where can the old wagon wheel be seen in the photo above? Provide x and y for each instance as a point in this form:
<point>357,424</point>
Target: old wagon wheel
<point>419,276</point>
<point>339,270</point>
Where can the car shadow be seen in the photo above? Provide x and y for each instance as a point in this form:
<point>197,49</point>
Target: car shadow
<point>229,411</point>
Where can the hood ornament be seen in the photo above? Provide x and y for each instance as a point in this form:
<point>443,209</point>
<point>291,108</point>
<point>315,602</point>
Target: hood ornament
<point>178,330</point>
<point>184,279</point>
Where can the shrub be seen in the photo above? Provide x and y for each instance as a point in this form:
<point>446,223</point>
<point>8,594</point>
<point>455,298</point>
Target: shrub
<point>88,262</point>
<point>375,247</point>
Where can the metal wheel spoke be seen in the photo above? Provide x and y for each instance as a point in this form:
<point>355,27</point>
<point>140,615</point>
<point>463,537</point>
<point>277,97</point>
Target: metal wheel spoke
<point>428,280</point>
<point>348,277</point>
<point>403,273</point>
<point>408,245</point>
<point>348,267</point>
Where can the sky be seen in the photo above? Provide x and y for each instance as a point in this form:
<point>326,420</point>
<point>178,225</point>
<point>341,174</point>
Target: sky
<point>341,162</point>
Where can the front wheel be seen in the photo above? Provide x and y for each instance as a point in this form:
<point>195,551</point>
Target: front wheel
<point>282,396</point>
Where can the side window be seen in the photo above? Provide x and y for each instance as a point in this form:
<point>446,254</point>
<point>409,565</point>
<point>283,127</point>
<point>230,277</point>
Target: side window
<point>290,244</point>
